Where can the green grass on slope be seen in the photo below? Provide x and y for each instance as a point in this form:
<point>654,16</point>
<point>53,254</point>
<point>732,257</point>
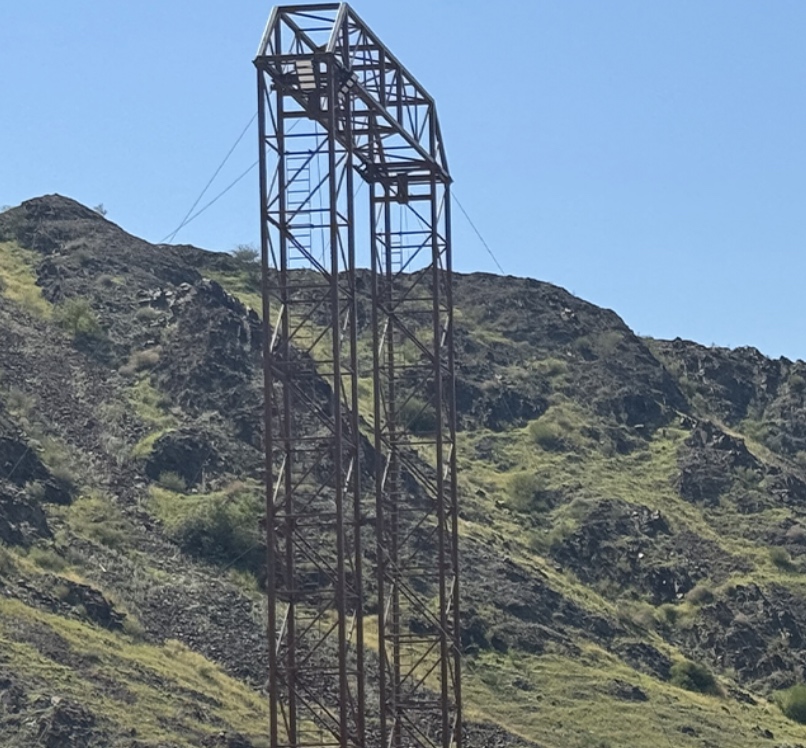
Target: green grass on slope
<point>583,475</point>
<point>18,279</point>
<point>560,701</point>
<point>158,693</point>
<point>152,407</point>
<point>243,284</point>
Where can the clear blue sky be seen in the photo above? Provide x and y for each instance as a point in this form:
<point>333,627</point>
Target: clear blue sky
<point>648,155</point>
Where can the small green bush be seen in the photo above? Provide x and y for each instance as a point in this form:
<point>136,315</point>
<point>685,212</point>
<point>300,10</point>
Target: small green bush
<point>247,254</point>
<point>140,361</point>
<point>417,416</point>
<point>79,318</point>
<point>36,490</point>
<point>98,519</point>
<point>701,594</point>
<point>527,492</point>
<point>59,461</point>
<point>172,481</point>
<point>546,435</point>
<point>45,558</point>
<point>792,702</point>
<point>781,559</point>
<point>148,314</point>
<point>7,565</point>
<point>797,384</point>
<point>692,676</point>
<point>133,628</point>
<point>222,529</point>
<point>551,367</point>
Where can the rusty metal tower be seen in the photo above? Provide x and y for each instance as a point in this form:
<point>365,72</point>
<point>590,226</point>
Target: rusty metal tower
<point>363,578</point>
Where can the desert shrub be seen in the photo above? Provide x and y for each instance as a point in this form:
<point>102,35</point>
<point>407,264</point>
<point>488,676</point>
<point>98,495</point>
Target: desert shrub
<point>551,367</point>
<point>638,614</point>
<point>527,492</point>
<point>36,490</point>
<point>172,481</point>
<point>141,360</point>
<point>45,558</point>
<point>79,318</point>
<point>700,594</point>
<point>797,384</point>
<point>19,403</point>
<point>692,676</point>
<point>781,559</point>
<point>560,531</point>
<point>133,628</point>
<point>59,461</point>
<point>7,565</point>
<point>546,435</point>
<point>147,314</point>
<point>667,614</point>
<point>796,534</point>
<point>792,702</point>
<point>247,254</point>
<point>98,519</point>
<point>417,416</point>
<point>222,528</point>
<point>108,281</point>
<point>609,340</point>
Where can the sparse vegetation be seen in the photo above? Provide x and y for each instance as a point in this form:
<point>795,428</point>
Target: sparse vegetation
<point>417,416</point>
<point>792,702</point>
<point>781,559</point>
<point>141,361</point>
<point>46,558</point>
<point>7,563</point>
<point>546,435</point>
<point>96,518</point>
<point>701,594</point>
<point>246,254</point>
<point>693,676</point>
<point>527,492</point>
<point>220,526</point>
<point>18,281</point>
<point>79,319</point>
<point>172,482</point>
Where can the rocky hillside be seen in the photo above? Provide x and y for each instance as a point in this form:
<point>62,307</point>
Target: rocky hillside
<point>634,510</point>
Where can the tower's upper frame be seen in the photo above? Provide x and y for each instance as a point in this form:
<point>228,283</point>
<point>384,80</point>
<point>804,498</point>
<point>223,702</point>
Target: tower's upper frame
<point>394,127</point>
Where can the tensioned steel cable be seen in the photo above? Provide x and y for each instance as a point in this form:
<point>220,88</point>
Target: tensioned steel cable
<point>188,218</point>
<point>478,234</point>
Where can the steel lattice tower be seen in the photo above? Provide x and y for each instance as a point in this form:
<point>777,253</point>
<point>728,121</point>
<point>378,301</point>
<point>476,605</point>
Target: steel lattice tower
<point>360,418</point>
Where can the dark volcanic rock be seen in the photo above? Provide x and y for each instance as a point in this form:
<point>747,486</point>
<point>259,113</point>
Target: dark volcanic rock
<point>619,689</point>
<point>67,724</point>
<point>644,657</point>
<point>505,336</point>
<point>708,463</point>
<point>744,384</point>
<point>760,634</point>
<point>227,740</point>
<point>20,465</point>
<point>634,547</point>
<point>189,454</point>
<point>212,362</point>
<point>96,607</point>
<point>21,521</point>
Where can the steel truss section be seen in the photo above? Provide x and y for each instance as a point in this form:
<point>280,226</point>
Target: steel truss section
<point>360,418</point>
